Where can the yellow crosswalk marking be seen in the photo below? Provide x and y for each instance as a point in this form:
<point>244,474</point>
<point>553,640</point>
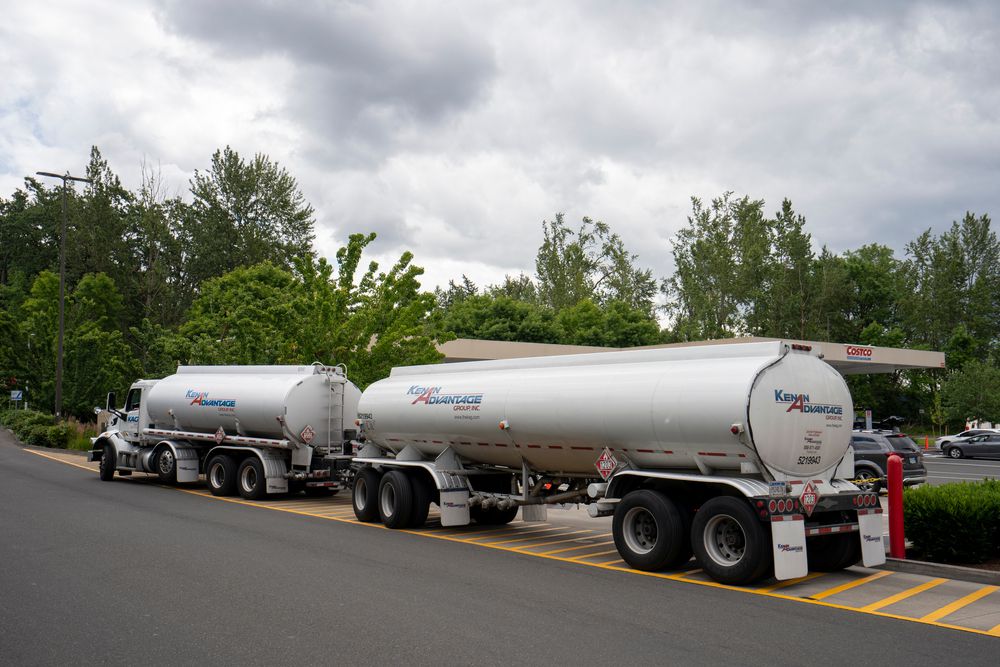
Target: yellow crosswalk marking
<point>959,603</point>
<point>849,585</point>
<point>902,595</point>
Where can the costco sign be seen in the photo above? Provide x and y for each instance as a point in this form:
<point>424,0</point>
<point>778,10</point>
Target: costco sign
<point>857,353</point>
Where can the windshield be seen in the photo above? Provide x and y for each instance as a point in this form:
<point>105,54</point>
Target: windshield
<point>902,443</point>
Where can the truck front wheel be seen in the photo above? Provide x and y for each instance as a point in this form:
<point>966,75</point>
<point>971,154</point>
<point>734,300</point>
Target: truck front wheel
<point>395,499</point>
<point>729,541</point>
<point>165,465</point>
<point>107,465</point>
<point>220,473</point>
<point>364,495</point>
<point>649,531</point>
<point>252,484</point>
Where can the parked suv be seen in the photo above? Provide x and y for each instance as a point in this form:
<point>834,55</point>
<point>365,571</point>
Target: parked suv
<point>871,456</point>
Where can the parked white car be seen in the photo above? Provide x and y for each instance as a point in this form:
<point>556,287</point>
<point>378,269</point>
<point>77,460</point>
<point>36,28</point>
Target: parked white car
<point>964,435</point>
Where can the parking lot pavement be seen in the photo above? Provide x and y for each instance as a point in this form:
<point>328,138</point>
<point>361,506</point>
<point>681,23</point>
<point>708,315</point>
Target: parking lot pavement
<point>570,536</point>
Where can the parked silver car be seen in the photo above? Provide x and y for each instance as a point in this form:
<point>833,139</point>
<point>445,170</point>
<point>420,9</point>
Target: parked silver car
<point>986,445</point>
<point>964,435</point>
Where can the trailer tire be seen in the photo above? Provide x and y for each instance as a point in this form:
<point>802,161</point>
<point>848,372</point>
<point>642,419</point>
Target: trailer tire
<point>364,495</point>
<point>220,473</point>
<point>422,494</point>
<point>395,499</point>
<point>251,482</point>
<point>730,542</point>
<point>833,553</point>
<point>107,464</point>
<point>494,516</point>
<point>649,531</point>
<point>165,465</point>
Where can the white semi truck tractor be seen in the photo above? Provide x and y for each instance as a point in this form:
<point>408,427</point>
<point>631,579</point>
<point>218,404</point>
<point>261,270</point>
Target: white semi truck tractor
<point>252,430</point>
<point>739,454</point>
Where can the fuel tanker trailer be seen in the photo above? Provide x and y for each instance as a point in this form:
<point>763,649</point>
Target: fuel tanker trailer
<point>253,430</point>
<point>738,454</point>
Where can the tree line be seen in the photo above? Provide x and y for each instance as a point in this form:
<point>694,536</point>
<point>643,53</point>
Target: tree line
<point>228,274</point>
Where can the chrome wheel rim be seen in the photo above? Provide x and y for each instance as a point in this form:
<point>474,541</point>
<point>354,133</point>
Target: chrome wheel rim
<point>217,475</point>
<point>725,540</point>
<point>249,479</point>
<point>166,462</point>
<point>639,530</point>
<point>387,498</point>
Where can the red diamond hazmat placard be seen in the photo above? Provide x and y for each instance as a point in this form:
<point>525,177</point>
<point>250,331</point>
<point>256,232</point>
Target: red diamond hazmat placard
<point>606,464</point>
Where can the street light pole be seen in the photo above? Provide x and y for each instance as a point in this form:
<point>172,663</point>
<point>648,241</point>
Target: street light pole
<point>62,280</point>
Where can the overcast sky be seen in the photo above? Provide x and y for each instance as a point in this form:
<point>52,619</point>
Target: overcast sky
<point>453,129</point>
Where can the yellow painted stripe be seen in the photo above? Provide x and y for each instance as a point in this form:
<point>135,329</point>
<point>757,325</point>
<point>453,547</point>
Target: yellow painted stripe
<point>599,553</point>
<point>902,595</point>
<point>61,460</point>
<point>613,565</point>
<point>537,537</point>
<point>849,585</point>
<point>581,546</point>
<point>959,603</point>
<point>571,539</point>
<point>790,582</point>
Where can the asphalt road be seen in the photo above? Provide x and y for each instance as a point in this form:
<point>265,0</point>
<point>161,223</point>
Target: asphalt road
<point>95,572</point>
<point>942,470</point>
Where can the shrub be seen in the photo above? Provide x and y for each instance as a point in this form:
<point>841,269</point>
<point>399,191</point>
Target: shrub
<point>954,523</point>
<point>59,435</point>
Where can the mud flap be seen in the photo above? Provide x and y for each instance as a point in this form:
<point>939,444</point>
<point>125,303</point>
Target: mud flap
<point>788,541</point>
<point>455,507</point>
<point>186,459</point>
<point>870,529</point>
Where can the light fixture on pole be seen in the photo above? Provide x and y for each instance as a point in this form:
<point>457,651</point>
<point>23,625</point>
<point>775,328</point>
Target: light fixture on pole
<point>62,280</point>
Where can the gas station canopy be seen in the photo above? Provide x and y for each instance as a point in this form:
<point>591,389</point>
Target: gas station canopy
<point>848,358</point>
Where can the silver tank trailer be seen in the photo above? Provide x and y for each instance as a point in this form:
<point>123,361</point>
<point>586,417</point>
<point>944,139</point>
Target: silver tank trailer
<point>249,400</point>
<point>708,407</point>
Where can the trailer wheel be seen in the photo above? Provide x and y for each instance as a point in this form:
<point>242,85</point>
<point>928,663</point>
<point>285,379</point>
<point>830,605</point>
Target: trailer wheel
<point>494,516</point>
<point>730,543</point>
<point>220,473</point>
<point>649,531</point>
<point>364,496</point>
<point>833,553</point>
<point>165,465</point>
<point>395,499</point>
<point>252,484</point>
<point>422,494</point>
<point>107,465</point>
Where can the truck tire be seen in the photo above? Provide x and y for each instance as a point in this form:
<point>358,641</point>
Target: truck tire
<point>364,495</point>
<point>220,473</point>
<point>730,542</point>
<point>107,464</point>
<point>493,516</point>
<point>868,480</point>
<point>422,494</point>
<point>165,465</point>
<point>649,531</point>
<point>833,553</point>
<point>251,482</point>
<point>395,499</point>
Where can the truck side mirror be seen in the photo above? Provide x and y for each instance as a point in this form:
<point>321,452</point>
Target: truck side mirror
<point>110,407</point>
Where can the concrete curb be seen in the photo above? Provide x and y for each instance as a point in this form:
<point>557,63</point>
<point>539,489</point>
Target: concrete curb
<point>970,574</point>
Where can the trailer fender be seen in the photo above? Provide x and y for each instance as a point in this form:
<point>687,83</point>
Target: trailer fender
<point>626,480</point>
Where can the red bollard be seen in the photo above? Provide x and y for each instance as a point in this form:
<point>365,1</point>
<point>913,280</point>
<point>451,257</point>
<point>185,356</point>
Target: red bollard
<point>897,540</point>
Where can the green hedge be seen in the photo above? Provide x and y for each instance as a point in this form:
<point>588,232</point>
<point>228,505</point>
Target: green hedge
<point>954,523</point>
